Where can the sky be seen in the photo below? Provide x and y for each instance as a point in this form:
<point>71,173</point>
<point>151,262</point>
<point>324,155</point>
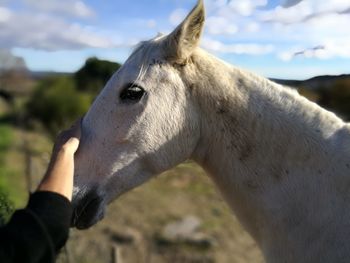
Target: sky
<point>290,39</point>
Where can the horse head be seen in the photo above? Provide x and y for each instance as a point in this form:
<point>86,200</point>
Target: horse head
<point>144,121</point>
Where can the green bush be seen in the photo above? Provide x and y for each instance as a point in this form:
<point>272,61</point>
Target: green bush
<point>6,139</point>
<point>94,74</point>
<point>56,103</point>
<point>6,207</point>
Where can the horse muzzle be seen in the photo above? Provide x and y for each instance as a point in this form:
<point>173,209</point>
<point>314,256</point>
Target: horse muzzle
<point>88,210</point>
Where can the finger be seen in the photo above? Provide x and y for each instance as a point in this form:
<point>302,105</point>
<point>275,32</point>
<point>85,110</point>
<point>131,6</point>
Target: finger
<point>73,132</point>
<point>73,143</point>
<point>75,129</point>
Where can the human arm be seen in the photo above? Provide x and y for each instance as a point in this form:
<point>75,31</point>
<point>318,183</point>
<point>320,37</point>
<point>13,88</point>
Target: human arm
<point>36,233</point>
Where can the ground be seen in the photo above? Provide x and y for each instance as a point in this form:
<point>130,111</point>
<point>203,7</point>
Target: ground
<point>135,221</point>
<point>144,212</point>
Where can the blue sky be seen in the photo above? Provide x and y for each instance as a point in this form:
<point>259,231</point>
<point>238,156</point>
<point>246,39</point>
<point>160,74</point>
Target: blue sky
<point>276,38</point>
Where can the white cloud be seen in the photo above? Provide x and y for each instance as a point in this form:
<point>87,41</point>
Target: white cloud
<point>44,26</point>
<point>293,27</point>
<point>289,31</point>
<point>252,27</point>
<point>305,10</point>
<point>232,17</point>
<point>177,16</point>
<point>75,8</point>
<point>213,5</point>
<point>5,14</point>
<point>239,49</point>
<point>219,26</point>
<point>151,23</point>
<point>332,49</point>
<point>314,52</point>
<point>307,24</point>
<point>48,32</point>
<point>228,17</point>
<point>224,16</point>
<point>142,23</point>
<point>245,7</point>
<point>287,15</point>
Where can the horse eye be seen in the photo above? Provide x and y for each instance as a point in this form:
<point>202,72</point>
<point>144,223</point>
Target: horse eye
<point>132,93</point>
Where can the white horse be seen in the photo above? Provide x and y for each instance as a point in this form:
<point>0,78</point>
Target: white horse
<point>281,162</point>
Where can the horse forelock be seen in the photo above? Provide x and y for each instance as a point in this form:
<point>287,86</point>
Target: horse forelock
<point>146,54</point>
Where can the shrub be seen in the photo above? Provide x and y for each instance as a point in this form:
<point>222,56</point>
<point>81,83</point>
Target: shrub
<point>6,207</point>
<point>56,103</point>
<point>94,74</point>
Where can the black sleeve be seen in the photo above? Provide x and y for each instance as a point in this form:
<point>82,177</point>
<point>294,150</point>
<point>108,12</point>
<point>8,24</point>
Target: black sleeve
<point>36,233</point>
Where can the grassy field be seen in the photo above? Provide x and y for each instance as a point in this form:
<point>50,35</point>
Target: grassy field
<point>11,183</point>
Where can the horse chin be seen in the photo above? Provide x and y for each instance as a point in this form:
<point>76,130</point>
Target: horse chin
<point>88,211</point>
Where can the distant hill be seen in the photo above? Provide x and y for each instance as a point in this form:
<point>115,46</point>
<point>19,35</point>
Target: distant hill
<point>315,83</point>
<point>330,92</point>
<point>38,75</point>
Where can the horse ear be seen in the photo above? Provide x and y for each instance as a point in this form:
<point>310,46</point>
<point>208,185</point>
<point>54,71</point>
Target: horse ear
<point>180,44</point>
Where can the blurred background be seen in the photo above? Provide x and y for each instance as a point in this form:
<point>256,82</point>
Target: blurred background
<point>56,56</point>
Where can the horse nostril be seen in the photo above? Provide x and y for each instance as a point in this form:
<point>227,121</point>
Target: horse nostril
<point>87,211</point>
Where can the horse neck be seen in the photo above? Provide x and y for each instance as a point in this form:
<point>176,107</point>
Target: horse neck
<point>262,143</point>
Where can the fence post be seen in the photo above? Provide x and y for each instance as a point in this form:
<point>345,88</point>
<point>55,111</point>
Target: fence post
<point>28,165</point>
<point>115,255</point>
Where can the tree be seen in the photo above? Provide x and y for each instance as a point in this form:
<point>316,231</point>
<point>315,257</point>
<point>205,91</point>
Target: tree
<point>94,74</point>
<point>56,103</point>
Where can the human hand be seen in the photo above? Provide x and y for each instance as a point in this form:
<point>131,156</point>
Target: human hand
<point>60,172</point>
